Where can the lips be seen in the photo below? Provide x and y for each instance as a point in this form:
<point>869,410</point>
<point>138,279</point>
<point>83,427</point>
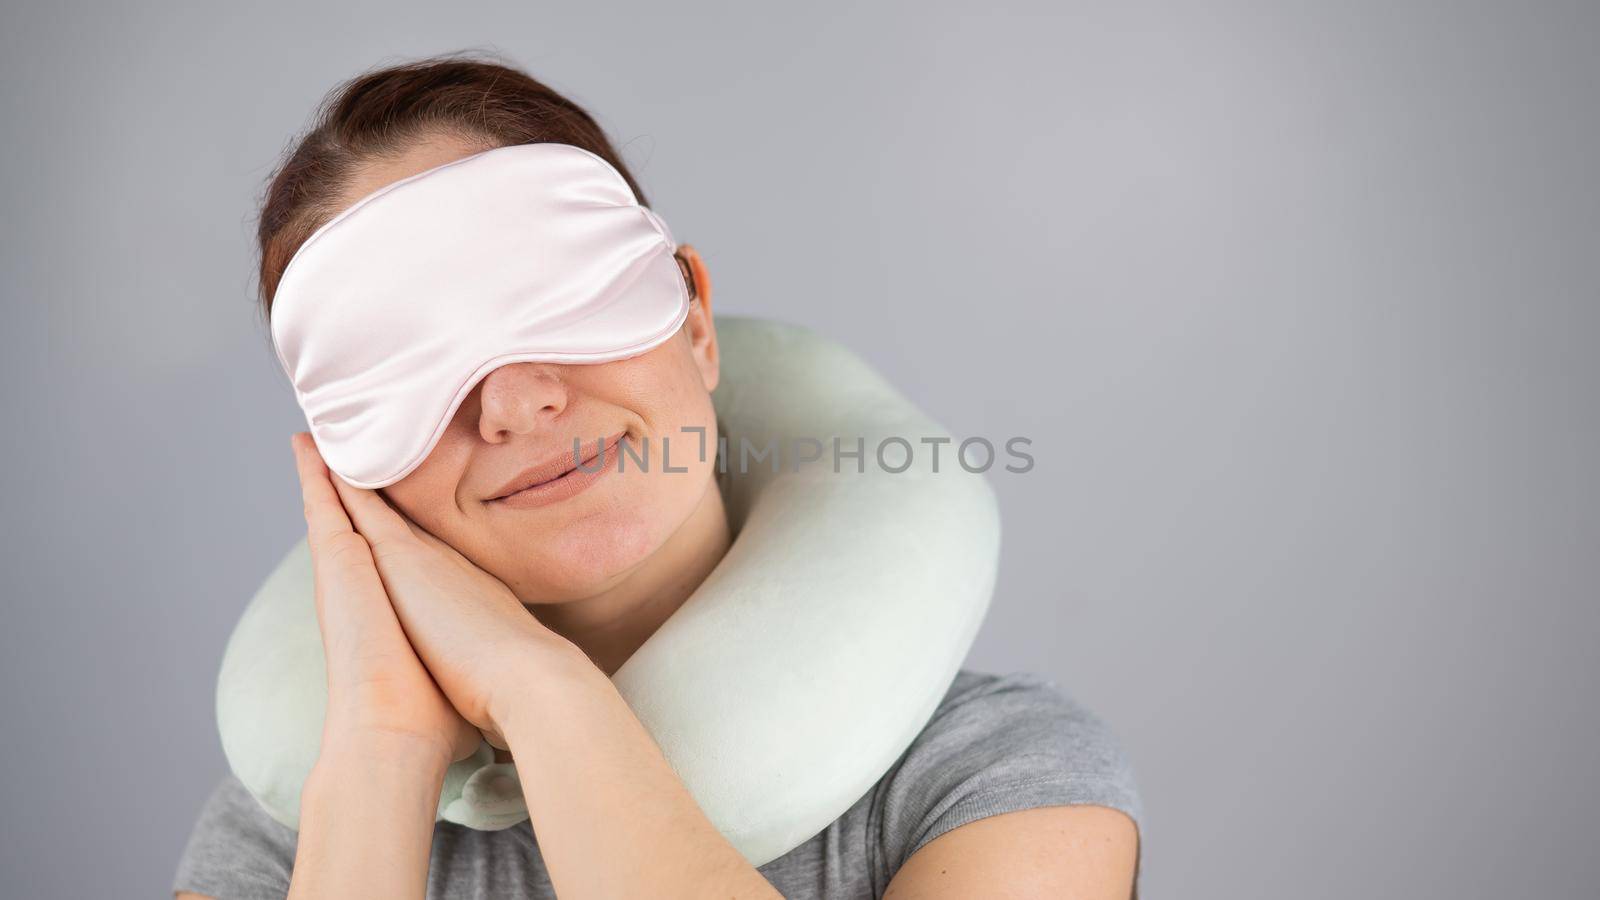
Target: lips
<point>553,469</point>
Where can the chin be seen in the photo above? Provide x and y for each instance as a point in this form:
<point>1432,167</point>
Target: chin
<point>591,556</point>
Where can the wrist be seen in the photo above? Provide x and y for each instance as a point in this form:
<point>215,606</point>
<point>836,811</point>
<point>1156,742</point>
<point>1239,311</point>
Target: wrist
<point>379,753</point>
<point>556,669</point>
<point>367,816</point>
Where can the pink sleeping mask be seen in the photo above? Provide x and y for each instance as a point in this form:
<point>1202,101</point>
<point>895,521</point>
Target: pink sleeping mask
<point>390,313</point>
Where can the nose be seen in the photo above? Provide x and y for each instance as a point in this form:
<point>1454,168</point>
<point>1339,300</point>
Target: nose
<point>519,397</point>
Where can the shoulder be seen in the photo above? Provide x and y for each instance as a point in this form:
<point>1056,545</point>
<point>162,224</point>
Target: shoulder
<point>999,743</point>
<point>235,848</point>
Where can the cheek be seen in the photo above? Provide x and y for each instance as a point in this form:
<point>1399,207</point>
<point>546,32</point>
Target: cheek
<point>427,495</point>
<point>663,387</point>
<point>637,511</point>
<point>642,509</point>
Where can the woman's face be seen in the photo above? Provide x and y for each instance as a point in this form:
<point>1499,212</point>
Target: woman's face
<point>561,545</point>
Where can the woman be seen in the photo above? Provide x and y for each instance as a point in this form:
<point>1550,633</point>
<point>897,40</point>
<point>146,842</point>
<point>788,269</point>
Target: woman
<point>516,613</point>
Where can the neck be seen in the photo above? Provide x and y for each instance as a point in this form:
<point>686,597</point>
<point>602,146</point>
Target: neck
<point>610,626</point>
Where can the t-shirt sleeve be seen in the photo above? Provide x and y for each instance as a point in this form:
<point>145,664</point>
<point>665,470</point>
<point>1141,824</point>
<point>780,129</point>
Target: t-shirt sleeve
<point>998,744</point>
<point>236,850</point>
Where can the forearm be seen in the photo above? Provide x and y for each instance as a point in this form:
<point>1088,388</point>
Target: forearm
<point>611,816</point>
<point>366,819</point>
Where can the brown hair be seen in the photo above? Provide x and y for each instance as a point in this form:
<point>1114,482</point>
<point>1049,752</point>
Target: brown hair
<point>469,94</point>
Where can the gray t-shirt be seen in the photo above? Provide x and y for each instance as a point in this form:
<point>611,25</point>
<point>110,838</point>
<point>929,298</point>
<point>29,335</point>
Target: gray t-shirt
<point>996,743</point>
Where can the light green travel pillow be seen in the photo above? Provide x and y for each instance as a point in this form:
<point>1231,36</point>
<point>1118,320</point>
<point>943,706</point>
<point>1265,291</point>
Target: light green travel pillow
<point>793,677</point>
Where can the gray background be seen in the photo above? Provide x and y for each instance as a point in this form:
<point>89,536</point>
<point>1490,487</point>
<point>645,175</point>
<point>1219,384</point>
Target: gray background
<point>1296,301</point>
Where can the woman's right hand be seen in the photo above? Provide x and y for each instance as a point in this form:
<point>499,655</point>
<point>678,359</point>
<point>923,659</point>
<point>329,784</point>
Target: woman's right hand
<point>377,687</point>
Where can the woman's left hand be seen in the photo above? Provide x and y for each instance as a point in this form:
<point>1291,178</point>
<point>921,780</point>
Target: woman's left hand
<point>468,628</point>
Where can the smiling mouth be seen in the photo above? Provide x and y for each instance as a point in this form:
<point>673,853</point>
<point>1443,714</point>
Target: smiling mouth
<point>585,464</point>
<point>574,479</point>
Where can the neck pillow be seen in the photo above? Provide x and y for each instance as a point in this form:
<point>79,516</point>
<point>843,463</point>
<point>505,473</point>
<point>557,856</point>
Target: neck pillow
<point>812,655</point>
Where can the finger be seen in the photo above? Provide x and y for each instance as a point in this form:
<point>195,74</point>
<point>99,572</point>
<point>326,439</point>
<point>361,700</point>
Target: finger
<point>424,535</point>
<point>372,515</point>
<point>325,514</point>
<point>350,598</point>
<point>384,525</point>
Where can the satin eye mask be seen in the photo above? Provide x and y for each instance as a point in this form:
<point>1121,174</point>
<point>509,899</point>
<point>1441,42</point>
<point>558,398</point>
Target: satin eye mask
<point>391,312</point>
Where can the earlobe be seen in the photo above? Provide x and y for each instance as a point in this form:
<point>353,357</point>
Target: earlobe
<point>702,326</point>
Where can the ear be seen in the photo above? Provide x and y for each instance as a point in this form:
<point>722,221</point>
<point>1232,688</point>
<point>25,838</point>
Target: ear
<point>700,326</point>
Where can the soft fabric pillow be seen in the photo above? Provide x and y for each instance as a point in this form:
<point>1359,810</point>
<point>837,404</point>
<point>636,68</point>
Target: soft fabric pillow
<point>797,672</point>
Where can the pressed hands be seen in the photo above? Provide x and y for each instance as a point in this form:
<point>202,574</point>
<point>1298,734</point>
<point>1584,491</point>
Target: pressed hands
<point>427,654</point>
